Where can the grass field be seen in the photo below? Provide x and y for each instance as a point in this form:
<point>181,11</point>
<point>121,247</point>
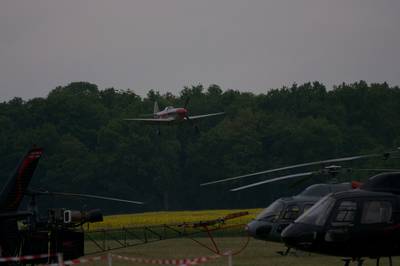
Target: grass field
<point>157,218</point>
<point>256,254</point>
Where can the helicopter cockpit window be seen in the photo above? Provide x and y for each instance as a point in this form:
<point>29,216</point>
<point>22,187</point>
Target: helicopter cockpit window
<point>272,212</point>
<point>291,212</point>
<point>345,213</point>
<point>318,213</point>
<point>306,207</point>
<point>375,212</point>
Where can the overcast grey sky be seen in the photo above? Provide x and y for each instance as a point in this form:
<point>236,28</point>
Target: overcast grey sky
<point>249,45</point>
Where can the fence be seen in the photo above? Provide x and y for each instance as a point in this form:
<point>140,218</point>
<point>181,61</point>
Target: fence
<point>110,258</point>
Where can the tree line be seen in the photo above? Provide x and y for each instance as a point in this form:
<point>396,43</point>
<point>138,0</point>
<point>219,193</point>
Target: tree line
<point>89,148</point>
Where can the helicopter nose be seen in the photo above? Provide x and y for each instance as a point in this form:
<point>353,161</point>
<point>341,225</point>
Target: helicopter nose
<point>259,229</point>
<point>300,236</point>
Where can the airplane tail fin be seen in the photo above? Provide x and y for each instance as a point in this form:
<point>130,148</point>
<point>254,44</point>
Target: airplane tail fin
<point>156,109</point>
<point>14,190</point>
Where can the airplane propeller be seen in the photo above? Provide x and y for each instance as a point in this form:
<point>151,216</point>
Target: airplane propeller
<point>187,116</point>
<point>385,156</point>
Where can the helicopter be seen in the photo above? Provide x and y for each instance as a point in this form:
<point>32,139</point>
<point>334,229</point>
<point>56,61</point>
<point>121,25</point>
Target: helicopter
<point>270,222</point>
<point>359,223</point>
<point>59,232</point>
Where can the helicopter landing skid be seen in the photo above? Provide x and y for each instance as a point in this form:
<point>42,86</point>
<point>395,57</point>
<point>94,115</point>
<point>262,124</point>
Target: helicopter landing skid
<point>389,258</point>
<point>285,252</point>
<point>360,261</point>
<point>348,260</point>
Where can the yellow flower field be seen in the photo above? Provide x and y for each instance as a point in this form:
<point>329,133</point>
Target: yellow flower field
<point>176,217</point>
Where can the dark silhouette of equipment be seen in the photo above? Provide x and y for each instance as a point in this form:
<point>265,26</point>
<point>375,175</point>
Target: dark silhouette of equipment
<point>25,233</point>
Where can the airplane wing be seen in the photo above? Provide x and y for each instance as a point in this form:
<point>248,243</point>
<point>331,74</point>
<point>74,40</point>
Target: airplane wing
<point>194,117</point>
<point>152,121</point>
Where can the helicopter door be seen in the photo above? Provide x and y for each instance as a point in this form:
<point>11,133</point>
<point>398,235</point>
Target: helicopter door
<point>343,219</point>
<point>376,217</point>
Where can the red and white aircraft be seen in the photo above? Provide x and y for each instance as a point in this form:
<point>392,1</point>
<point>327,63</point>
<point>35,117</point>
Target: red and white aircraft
<point>171,115</point>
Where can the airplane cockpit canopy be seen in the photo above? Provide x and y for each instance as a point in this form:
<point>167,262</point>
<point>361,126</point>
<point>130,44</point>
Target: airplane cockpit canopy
<point>386,182</point>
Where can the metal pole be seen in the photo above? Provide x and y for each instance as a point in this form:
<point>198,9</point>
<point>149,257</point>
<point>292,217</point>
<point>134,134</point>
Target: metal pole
<point>230,262</point>
<point>60,259</point>
<point>109,259</point>
<point>104,239</point>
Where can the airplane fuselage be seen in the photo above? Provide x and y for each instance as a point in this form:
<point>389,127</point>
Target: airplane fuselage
<point>178,114</point>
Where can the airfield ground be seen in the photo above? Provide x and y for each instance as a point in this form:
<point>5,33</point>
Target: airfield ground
<point>257,253</point>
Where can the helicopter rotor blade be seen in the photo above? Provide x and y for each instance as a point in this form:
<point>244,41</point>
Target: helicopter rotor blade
<point>86,196</point>
<point>274,180</point>
<point>374,169</point>
<point>344,171</point>
<point>343,159</point>
<point>299,182</point>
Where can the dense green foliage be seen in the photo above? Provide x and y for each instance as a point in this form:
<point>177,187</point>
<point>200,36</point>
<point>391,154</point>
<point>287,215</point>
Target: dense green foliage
<point>89,148</point>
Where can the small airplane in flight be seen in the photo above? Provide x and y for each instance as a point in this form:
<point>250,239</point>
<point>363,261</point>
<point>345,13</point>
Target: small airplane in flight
<point>171,115</point>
